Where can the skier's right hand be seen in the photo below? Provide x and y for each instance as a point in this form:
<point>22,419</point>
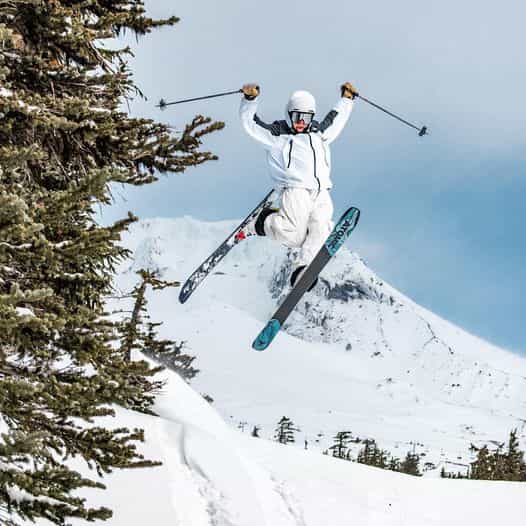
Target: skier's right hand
<point>251,91</point>
<point>349,91</point>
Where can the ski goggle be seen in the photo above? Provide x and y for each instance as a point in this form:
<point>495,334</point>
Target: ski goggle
<point>297,116</point>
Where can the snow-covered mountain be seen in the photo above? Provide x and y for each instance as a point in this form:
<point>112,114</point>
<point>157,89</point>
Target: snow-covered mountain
<point>356,355</point>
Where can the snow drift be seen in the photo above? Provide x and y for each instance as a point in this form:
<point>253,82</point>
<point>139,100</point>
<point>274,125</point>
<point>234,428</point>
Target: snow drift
<point>215,476</point>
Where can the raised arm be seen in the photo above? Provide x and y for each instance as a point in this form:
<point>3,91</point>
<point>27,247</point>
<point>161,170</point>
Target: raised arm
<point>252,124</point>
<point>337,118</point>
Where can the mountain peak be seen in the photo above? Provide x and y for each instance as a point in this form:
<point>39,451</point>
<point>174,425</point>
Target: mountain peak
<point>355,345</point>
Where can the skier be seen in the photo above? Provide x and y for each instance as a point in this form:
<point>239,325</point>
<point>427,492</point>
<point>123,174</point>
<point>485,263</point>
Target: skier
<point>299,158</point>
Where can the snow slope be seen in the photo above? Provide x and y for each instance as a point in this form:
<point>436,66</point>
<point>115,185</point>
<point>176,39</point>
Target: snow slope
<point>356,355</point>
<point>215,476</point>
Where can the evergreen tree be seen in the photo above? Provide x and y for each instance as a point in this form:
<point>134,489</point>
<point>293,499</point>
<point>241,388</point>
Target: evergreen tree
<point>499,464</point>
<point>393,464</point>
<point>137,334</point>
<point>64,140</point>
<point>285,430</point>
<point>381,458</point>
<point>340,447</point>
<point>372,455</point>
<point>365,454</point>
<point>514,459</point>
<point>411,464</point>
<point>482,467</point>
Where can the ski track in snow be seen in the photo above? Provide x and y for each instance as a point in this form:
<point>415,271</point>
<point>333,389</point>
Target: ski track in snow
<point>291,502</point>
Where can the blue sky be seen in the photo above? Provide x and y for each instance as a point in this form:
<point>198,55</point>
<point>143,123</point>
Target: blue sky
<point>442,216</point>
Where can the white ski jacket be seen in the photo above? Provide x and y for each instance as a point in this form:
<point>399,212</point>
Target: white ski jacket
<point>297,160</point>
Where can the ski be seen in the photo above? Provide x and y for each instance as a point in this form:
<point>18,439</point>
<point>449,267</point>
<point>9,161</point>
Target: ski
<point>231,241</point>
<point>336,239</point>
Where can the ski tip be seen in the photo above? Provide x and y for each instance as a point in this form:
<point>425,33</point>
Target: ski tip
<point>353,215</point>
<point>342,230</point>
<point>266,336</point>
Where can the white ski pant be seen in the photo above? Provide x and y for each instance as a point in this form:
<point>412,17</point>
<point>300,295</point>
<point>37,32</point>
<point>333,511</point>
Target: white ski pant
<point>304,221</point>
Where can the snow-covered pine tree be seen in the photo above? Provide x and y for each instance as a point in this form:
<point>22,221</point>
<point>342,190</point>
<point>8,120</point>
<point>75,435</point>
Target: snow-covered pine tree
<point>341,445</point>
<point>63,141</point>
<point>411,464</point>
<point>514,458</point>
<point>393,464</point>
<point>140,334</point>
<point>367,454</point>
<point>499,464</point>
<point>285,430</point>
<point>372,455</point>
<point>482,466</point>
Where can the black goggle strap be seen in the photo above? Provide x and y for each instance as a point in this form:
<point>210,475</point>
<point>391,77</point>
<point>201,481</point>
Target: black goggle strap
<point>296,116</point>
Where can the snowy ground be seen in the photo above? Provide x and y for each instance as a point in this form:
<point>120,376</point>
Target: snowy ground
<point>215,476</point>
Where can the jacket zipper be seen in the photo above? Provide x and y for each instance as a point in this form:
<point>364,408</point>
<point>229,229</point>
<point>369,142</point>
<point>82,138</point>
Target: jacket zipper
<point>314,153</point>
<point>290,154</point>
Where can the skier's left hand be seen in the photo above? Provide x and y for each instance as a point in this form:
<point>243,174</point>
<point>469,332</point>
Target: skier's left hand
<point>349,91</point>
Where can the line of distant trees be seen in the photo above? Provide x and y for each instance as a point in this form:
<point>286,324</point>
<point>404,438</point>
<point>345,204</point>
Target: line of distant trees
<point>370,453</point>
<point>505,462</point>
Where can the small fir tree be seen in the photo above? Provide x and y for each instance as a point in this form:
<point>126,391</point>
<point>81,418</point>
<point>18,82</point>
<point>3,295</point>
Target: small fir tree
<point>514,459</point>
<point>411,464</point>
<point>372,455</point>
<point>285,430</point>
<point>141,335</point>
<point>482,466</point>
<point>340,447</point>
<point>499,464</point>
<point>394,464</point>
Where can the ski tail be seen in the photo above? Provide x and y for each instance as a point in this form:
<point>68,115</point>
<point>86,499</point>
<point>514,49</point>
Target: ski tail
<point>266,336</point>
<point>216,257</point>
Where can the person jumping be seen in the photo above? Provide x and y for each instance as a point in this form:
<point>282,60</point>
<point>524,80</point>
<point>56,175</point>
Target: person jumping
<point>300,163</point>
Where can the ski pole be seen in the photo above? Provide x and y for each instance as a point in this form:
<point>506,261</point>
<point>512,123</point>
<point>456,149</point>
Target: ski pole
<point>421,131</point>
<point>162,103</point>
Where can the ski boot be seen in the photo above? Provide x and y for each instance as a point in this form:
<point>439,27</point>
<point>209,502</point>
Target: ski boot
<point>256,226</point>
<point>296,275</point>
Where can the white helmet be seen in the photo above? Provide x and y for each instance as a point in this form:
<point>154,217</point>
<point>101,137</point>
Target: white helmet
<point>301,101</point>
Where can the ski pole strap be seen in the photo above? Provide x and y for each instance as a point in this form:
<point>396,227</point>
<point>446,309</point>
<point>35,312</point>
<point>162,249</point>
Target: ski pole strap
<point>421,131</point>
<point>162,103</point>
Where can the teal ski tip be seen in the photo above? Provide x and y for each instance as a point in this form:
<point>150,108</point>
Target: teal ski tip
<point>266,336</point>
<point>342,230</point>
